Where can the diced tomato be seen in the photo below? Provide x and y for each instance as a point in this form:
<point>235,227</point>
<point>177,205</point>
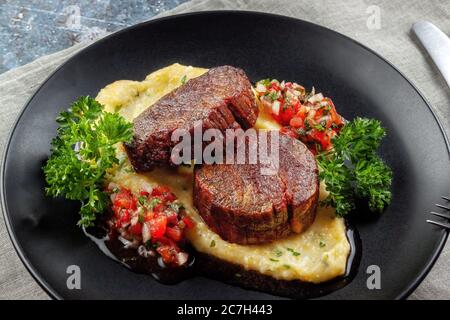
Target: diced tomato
<point>174,233</point>
<point>276,117</point>
<point>165,241</point>
<point>275,86</point>
<point>288,132</point>
<point>168,254</point>
<point>125,218</point>
<point>169,197</point>
<point>286,114</point>
<point>159,208</point>
<point>160,190</point>
<point>158,226</point>
<point>116,210</point>
<point>188,222</point>
<point>296,106</point>
<point>302,112</point>
<point>136,229</point>
<point>149,216</point>
<point>323,139</point>
<point>172,217</point>
<point>161,225</point>
<point>163,193</point>
<point>296,122</point>
<point>125,200</point>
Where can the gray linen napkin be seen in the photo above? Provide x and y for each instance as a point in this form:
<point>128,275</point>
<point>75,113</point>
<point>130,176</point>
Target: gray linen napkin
<point>389,35</point>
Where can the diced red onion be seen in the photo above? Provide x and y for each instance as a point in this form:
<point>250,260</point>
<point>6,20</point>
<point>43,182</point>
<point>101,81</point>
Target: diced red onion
<point>182,258</point>
<point>146,235</point>
<point>260,88</point>
<point>276,107</point>
<point>316,98</point>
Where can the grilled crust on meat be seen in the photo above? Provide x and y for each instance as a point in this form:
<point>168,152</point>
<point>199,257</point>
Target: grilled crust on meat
<point>243,206</point>
<point>222,98</point>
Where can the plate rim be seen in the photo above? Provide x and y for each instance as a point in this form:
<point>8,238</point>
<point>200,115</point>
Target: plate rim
<point>3,205</point>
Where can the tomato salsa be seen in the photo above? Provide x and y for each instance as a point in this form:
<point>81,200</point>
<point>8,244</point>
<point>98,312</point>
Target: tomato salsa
<point>309,117</point>
<point>154,222</point>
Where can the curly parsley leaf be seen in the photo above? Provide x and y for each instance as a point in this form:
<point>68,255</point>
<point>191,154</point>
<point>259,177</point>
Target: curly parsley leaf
<point>359,139</point>
<point>338,179</point>
<point>353,168</point>
<point>82,152</point>
<point>373,181</point>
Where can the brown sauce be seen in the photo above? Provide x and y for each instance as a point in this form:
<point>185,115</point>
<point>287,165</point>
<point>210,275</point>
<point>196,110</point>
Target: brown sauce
<point>211,267</point>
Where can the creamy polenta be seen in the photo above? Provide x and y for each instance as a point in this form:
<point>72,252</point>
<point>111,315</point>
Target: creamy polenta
<point>317,255</point>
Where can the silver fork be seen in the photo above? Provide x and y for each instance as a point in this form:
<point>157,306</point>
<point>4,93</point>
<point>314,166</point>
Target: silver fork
<point>445,225</point>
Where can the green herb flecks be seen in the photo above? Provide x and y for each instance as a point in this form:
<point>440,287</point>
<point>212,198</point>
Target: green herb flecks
<point>277,252</point>
<point>294,253</point>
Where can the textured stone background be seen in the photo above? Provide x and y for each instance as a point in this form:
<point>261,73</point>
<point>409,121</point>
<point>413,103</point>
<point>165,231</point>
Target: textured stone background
<point>30,29</point>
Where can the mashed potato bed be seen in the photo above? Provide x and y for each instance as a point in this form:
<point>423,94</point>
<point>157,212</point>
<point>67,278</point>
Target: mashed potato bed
<point>317,255</point>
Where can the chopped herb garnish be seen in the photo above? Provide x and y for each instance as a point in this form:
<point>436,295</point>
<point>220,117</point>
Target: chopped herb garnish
<point>322,244</point>
<point>273,96</point>
<point>294,253</point>
<point>153,203</point>
<point>307,125</point>
<point>286,266</point>
<point>274,260</point>
<point>129,170</point>
<point>319,126</point>
<point>318,147</point>
<point>212,244</point>
<point>176,206</point>
<point>183,79</point>
<point>143,201</point>
<point>278,252</point>
<point>301,132</point>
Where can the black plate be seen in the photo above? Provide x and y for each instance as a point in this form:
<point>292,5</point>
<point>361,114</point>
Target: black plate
<point>360,82</point>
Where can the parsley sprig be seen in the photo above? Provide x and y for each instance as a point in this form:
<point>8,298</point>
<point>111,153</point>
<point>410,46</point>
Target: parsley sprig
<point>353,168</point>
<point>82,152</point>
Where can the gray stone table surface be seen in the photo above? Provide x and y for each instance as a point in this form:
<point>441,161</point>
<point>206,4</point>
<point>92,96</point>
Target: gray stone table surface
<point>30,29</point>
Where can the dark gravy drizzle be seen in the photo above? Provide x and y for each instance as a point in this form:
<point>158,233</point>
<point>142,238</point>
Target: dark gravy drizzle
<point>209,266</point>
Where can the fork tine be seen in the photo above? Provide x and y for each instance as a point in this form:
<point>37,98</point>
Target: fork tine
<point>443,215</point>
<point>442,207</point>
<point>441,224</point>
<point>446,198</point>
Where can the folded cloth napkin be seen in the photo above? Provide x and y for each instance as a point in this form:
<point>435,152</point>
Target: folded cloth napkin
<point>389,35</point>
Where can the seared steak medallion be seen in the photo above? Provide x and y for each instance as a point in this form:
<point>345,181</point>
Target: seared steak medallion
<point>246,207</point>
<point>221,98</point>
